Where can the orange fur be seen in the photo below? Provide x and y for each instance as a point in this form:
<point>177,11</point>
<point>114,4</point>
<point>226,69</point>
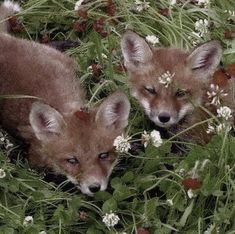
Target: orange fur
<point>79,147</point>
<point>192,73</point>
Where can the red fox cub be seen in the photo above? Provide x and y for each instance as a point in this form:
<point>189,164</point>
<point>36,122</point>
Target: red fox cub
<point>62,137</point>
<point>173,85</point>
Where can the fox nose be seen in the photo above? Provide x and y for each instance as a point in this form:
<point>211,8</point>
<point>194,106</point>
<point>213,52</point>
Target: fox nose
<point>164,117</point>
<point>94,188</point>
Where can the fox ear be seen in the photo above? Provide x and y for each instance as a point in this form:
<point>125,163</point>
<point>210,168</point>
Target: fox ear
<point>114,111</point>
<point>205,58</point>
<point>135,50</point>
<point>45,121</point>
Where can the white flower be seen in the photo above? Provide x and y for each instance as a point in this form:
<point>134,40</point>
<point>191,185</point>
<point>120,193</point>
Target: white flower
<point>2,173</point>
<point>215,94</point>
<point>209,229</point>
<point>166,78</point>
<point>205,161</point>
<point>204,3</point>
<point>121,144</point>
<point>156,138</point>
<point>146,138</point>
<point>224,112</point>
<point>172,2</point>
<point>2,139</point>
<point>104,56</point>
<point>28,221</point>
<point>110,220</point>
<point>78,5</point>
<point>169,202</point>
<point>201,26</point>
<point>210,129</point>
<point>12,5</point>
<point>42,232</point>
<point>141,6</point>
<point>231,14</point>
<point>8,144</point>
<point>182,172</point>
<point>190,193</point>
<point>152,39</point>
<point>223,127</point>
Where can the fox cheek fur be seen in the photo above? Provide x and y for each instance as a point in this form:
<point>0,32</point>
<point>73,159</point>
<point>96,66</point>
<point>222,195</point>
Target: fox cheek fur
<point>191,74</point>
<point>62,137</point>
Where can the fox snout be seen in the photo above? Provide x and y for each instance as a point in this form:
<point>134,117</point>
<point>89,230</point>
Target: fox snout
<point>164,118</point>
<point>93,185</point>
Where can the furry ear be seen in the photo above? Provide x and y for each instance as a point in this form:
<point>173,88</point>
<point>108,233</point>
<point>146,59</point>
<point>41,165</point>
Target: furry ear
<point>114,111</point>
<point>205,58</point>
<point>135,50</point>
<point>45,121</point>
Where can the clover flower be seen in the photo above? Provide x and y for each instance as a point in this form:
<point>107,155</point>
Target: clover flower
<point>231,14</point>
<point>204,3</point>
<point>172,2</point>
<point>201,26</point>
<point>170,202</point>
<point>42,232</point>
<point>166,78</point>
<point>210,229</point>
<point>121,144</point>
<point>152,39</point>
<point>78,5</point>
<point>2,173</point>
<point>224,112</point>
<point>12,5</point>
<point>219,129</point>
<point>110,219</point>
<point>28,221</point>
<point>215,94</point>
<point>141,5</point>
<point>210,128</point>
<point>154,137</point>
<point>191,194</point>
<point>145,138</point>
<point>223,127</point>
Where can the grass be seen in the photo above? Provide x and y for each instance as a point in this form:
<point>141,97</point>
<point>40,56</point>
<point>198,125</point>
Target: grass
<point>146,190</point>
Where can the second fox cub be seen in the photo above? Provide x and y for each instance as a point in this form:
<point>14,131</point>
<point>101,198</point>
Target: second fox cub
<point>62,137</point>
<point>172,84</point>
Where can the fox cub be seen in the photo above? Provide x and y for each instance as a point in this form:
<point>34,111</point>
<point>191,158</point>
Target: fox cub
<point>62,137</point>
<point>172,85</point>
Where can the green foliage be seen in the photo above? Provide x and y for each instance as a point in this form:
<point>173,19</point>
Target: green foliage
<point>149,193</point>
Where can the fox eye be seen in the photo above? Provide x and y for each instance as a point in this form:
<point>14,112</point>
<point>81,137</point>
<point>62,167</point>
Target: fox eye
<point>181,93</point>
<point>151,90</point>
<point>72,161</point>
<point>103,156</point>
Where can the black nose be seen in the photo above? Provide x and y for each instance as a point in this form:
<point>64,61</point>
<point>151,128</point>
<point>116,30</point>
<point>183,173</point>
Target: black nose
<point>94,188</point>
<point>164,117</point>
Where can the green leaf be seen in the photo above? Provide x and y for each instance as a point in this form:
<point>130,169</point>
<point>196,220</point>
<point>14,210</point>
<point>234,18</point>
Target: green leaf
<point>121,193</point>
<point>109,205</point>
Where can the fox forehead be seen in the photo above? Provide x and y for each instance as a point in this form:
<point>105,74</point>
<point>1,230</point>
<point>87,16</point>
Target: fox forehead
<point>82,137</point>
<point>163,60</point>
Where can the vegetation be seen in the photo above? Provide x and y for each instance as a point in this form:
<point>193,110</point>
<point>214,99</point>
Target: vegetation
<point>178,187</point>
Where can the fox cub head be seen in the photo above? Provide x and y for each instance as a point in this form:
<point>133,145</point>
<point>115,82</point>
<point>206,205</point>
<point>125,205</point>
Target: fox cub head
<point>168,82</point>
<point>80,145</point>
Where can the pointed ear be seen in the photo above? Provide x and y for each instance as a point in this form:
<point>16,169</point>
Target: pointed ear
<point>114,111</point>
<point>135,50</point>
<point>45,121</point>
<point>205,58</point>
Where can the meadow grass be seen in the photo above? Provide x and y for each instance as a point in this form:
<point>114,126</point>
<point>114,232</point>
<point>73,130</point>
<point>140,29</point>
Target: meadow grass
<point>146,189</point>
